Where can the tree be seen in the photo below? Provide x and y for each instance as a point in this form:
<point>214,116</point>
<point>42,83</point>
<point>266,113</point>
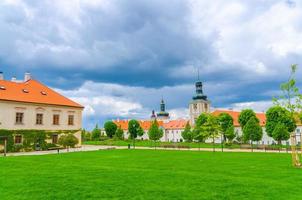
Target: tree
<point>96,133</point>
<point>230,133</point>
<point>202,118</point>
<point>68,140</point>
<point>187,134</point>
<point>211,128</point>
<point>277,116</point>
<point>280,133</point>
<point>226,122</point>
<point>134,130</point>
<point>291,99</point>
<point>155,133</point>
<point>245,116</point>
<point>110,128</point>
<point>119,134</point>
<point>252,131</point>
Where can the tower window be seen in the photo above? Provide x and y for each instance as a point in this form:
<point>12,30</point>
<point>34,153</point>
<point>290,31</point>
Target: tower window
<point>195,106</point>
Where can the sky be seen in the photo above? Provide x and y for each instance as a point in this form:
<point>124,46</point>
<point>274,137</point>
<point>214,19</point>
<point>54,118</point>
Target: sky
<point>118,58</point>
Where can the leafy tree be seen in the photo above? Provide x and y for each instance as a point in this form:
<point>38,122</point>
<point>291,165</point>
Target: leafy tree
<point>119,134</point>
<point>110,128</point>
<point>245,116</point>
<point>211,128</point>
<point>201,119</point>
<point>277,116</point>
<point>280,133</point>
<point>68,140</point>
<point>187,134</point>
<point>252,130</point>
<point>96,133</point>
<point>141,131</point>
<point>155,133</point>
<point>134,130</point>
<point>230,133</point>
<point>226,121</point>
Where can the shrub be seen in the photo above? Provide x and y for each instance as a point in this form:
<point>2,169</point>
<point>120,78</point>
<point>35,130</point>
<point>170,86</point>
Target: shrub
<point>68,140</point>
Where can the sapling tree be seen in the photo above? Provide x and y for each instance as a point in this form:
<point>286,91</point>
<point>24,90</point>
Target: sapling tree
<point>155,133</point>
<point>211,128</point>
<point>252,131</point>
<point>187,134</point>
<point>119,134</point>
<point>279,117</point>
<point>225,121</point>
<point>134,130</point>
<point>96,133</point>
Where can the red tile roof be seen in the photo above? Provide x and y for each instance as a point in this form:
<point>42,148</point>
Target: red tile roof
<point>145,124</point>
<point>235,115</point>
<point>176,124</point>
<point>33,91</point>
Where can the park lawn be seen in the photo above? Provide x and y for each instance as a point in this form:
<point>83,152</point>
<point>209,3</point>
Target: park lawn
<point>150,174</point>
<point>149,143</point>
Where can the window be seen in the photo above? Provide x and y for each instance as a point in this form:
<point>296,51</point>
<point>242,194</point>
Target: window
<point>206,106</point>
<point>19,118</point>
<point>18,139</point>
<point>70,119</point>
<point>195,106</point>
<point>56,119</point>
<point>39,119</point>
<point>54,139</point>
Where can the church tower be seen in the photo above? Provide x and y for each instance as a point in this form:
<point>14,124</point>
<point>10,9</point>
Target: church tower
<point>199,103</point>
<point>163,114</point>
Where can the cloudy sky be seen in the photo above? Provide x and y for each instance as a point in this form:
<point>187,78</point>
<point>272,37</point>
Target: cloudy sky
<point>119,57</point>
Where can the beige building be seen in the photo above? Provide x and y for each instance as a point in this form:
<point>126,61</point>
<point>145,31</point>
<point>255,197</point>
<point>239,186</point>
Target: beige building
<point>30,105</point>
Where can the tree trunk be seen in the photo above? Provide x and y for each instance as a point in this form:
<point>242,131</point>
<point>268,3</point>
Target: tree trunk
<point>213,144</point>
<point>251,145</point>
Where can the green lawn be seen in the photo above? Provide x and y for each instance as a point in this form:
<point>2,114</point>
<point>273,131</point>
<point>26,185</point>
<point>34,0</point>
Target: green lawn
<point>150,174</point>
<point>148,143</point>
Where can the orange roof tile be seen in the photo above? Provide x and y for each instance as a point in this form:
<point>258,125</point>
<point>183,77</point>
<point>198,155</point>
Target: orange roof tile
<point>33,91</point>
<point>235,116</point>
<point>145,124</point>
<point>176,124</point>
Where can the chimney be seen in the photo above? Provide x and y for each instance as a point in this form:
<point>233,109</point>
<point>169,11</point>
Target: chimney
<point>27,76</point>
<point>1,76</point>
<point>14,79</point>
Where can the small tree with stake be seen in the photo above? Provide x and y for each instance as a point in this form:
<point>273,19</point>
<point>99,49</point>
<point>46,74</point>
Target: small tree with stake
<point>252,131</point>
<point>155,133</point>
<point>279,118</point>
<point>134,130</point>
<point>187,134</point>
<point>211,128</point>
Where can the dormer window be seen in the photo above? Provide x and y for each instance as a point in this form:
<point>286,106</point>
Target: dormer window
<point>2,88</point>
<point>43,93</point>
<point>25,91</point>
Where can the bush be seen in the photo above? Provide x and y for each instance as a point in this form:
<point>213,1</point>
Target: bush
<point>68,140</point>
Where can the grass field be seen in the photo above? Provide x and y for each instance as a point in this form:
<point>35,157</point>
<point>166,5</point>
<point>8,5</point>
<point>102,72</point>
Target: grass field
<point>150,174</point>
<point>148,143</point>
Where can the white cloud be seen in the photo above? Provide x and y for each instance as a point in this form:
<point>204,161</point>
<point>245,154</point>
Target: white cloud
<point>258,106</point>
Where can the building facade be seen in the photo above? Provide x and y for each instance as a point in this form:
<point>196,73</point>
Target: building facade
<point>30,105</point>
